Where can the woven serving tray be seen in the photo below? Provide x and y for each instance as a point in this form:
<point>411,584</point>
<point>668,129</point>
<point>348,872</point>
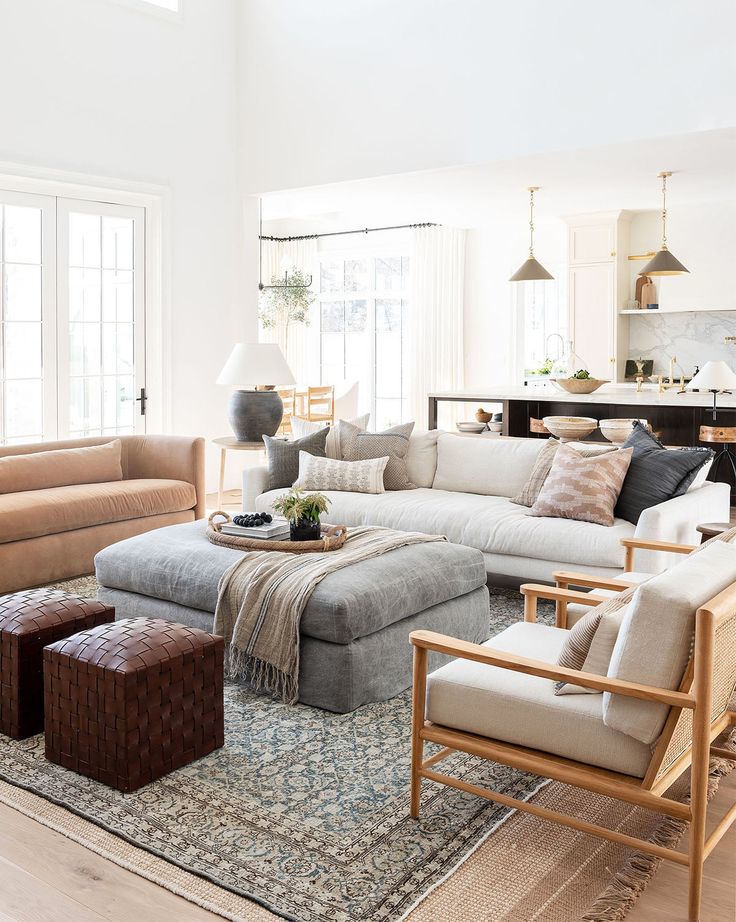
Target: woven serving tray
<point>333,537</point>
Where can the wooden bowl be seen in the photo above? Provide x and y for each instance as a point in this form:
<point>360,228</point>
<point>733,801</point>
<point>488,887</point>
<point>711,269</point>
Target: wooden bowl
<point>579,385</point>
<point>483,416</point>
<point>616,430</point>
<point>570,428</point>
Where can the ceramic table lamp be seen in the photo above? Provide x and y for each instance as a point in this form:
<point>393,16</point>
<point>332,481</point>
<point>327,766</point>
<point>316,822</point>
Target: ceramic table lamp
<point>714,377</point>
<point>255,413</point>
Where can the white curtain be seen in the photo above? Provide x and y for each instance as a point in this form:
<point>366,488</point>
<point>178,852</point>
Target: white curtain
<point>436,325</point>
<point>301,346</point>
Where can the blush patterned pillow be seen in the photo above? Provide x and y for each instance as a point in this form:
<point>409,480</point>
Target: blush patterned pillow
<point>585,489</point>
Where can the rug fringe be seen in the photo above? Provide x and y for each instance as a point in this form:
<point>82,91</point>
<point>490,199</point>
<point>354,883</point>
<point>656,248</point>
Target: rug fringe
<point>627,885</point>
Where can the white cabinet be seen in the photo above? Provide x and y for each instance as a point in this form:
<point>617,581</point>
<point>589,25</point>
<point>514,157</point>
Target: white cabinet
<point>592,243</point>
<point>592,318</point>
<point>597,290</point>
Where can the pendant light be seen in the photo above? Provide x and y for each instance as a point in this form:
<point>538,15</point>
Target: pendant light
<point>663,262</point>
<point>531,270</point>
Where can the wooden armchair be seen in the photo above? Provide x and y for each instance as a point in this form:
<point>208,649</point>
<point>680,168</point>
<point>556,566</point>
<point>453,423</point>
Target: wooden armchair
<point>698,714</point>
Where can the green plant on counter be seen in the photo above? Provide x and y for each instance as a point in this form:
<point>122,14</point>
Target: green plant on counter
<point>582,374</point>
<point>545,368</point>
<point>296,505</point>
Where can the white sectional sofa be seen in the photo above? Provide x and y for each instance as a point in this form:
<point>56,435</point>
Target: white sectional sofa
<point>465,485</point>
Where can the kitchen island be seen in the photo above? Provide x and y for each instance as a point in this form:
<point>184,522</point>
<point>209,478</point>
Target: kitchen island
<point>676,418</point>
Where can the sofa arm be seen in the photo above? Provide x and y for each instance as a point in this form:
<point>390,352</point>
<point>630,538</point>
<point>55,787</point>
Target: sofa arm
<point>166,457</point>
<point>676,520</point>
<point>256,480</point>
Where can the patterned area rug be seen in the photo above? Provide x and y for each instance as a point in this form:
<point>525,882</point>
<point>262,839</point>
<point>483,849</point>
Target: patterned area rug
<point>303,811</point>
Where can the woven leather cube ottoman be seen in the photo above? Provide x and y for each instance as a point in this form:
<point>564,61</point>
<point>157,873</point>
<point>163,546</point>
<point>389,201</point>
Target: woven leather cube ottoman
<point>129,702</point>
<point>28,621</point>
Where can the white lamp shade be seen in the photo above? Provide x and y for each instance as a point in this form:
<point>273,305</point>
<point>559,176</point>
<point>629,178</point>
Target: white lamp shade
<point>714,376</point>
<point>253,364</point>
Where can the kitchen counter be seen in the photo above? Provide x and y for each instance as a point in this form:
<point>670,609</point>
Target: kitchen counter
<point>621,394</point>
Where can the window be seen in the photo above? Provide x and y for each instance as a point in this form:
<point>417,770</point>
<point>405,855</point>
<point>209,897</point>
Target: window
<point>541,310</point>
<point>363,304</point>
<point>72,334</point>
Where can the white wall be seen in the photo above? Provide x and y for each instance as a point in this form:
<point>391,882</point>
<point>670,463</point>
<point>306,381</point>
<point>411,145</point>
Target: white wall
<point>369,87</point>
<point>702,237</point>
<point>493,252</point>
<point>100,87</point>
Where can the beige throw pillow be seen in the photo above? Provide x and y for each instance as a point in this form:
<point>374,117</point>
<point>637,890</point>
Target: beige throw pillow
<point>392,443</point>
<point>584,489</point>
<point>301,427</point>
<point>351,476</point>
<point>528,494</point>
<point>590,642</point>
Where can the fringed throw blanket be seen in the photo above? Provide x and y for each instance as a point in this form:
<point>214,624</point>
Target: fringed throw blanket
<point>261,599</point>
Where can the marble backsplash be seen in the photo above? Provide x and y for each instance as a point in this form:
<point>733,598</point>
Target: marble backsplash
<point>693,337</point>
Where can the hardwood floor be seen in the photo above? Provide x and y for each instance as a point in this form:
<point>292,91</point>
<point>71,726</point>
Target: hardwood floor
<point>45,877</point>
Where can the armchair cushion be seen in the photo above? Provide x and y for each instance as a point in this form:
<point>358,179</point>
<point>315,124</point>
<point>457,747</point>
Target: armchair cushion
<point>523,709</point>
<point>654,642</point>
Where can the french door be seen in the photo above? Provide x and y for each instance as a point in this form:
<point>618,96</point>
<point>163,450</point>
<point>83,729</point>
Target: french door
<point>72,318</point>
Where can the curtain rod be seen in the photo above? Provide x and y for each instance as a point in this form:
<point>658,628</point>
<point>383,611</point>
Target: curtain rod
<point>362,230</point>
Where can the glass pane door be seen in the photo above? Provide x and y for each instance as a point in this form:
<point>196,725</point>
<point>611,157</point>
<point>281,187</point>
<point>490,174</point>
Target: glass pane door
<point>101,318</point>
<point>27,318</point>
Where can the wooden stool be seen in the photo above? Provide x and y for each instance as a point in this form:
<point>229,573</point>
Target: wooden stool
<point>28,621</point>
<point>129,702</point>
<point>720,435</point>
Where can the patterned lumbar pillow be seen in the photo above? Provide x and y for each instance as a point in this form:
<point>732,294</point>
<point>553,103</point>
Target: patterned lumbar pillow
<point>589,644</point>
<point>528,494</point>
<point>283,457</point>
<point>352,476</point>
<point>301,427</point>
<point>585,489</point>
<point>656,473</point>
<point>393,443</point>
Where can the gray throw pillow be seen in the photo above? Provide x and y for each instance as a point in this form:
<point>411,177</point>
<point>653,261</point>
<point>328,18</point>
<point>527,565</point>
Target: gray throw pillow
<point>392,443</point>
<point>283,457</point>
<point>656,473</point>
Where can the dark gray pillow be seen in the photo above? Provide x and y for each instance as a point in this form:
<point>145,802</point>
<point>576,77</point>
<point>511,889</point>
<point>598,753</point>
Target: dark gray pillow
<point>656,473</point>
<point>283,457</point>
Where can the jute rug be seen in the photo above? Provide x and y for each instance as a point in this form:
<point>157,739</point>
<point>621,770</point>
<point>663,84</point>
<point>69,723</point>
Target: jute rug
<point>303,815</point>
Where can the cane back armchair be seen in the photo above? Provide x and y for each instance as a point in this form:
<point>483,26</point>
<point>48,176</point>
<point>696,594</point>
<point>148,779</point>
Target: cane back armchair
<point>698,714</point>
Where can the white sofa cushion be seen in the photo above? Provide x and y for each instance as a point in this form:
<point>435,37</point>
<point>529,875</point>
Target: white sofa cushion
<point>421,459</point>
<point>655,638</point>
<point>524,710</point>
<point>492,467</point>
<point>493,524</point>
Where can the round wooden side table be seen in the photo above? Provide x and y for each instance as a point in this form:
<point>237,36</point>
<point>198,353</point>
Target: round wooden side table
<point>230,443</point>
<point>711,529</point>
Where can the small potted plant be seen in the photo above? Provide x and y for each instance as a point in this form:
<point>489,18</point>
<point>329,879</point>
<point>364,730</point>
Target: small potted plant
<point>302,511</point>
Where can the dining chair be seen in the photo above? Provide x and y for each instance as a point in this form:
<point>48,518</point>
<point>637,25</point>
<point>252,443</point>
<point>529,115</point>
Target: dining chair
<point>288,398</point>
<point>321,403</point>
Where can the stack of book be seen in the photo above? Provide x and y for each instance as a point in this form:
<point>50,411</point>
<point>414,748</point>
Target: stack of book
<point>277,530</point>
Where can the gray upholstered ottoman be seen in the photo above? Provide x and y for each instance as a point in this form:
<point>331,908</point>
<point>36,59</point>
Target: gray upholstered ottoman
<point>355,629</point>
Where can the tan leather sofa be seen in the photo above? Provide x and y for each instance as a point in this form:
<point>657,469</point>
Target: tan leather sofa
<point>51,532</point>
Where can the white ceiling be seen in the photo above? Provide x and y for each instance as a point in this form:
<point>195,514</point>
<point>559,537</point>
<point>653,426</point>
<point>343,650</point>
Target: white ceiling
<point>592,180</point>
